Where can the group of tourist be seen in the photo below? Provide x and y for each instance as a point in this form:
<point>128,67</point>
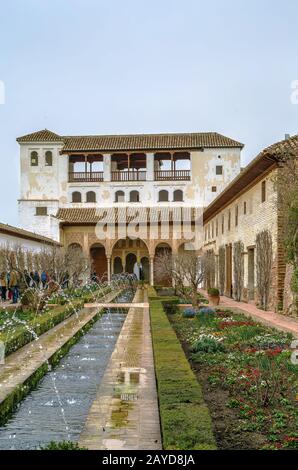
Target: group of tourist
<point>13,283</point>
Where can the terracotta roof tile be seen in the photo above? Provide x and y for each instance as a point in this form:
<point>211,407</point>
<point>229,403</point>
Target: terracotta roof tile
<point>41,136</point>
<point>107,143</point>
<point>258,166</point>
<point>84,215</point>
<point>16,231</point>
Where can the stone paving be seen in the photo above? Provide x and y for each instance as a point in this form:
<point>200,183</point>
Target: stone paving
<point>269,318</point>
<point>20,365</point>
<point>124,414</point>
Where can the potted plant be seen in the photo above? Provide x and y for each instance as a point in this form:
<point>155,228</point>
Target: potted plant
<point>213,296</point>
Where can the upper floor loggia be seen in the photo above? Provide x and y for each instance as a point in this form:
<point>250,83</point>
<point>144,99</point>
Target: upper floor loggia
<point>127,167</point>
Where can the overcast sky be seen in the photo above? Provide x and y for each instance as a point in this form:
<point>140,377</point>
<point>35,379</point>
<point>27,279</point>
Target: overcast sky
<point>138,66</point>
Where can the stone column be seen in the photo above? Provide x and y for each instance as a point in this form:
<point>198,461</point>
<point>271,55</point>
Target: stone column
<point>109,270</point>
<point>151,271</point>
<point>107,167</point>
<point>150,166</point>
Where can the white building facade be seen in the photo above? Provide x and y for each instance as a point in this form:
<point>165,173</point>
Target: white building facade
<point>82,172</point>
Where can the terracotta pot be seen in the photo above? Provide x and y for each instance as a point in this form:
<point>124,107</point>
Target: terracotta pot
<point>214,299</point>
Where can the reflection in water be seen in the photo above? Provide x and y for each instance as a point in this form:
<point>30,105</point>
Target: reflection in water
<point>39,418</point>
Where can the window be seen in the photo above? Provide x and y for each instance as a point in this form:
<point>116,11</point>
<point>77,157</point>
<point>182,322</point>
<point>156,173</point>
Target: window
<point>244,208</point>
<point>178,195</point>
<point>214,189</point>
<point>119,196</point>
<point>41,211</point>
<point>90,196</point>
<point>49,158</point>
<point>216,227</point>
<point>212,230</point>
<point>163,196</point>
<point>229,221</point>
<point>236,216</point>
<point>34,158</point>
<point>263,191</point>
<point>219,169</point>
<point>134,196</point>
<point>223,224</point>
<point>76,197</point>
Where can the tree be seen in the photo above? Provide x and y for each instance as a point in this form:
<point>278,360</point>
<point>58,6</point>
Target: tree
<point>63,266</point>
<point>264,266</point>
<point>187,270</point>
<point>238,263</point>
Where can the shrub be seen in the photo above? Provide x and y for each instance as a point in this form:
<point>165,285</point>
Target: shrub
<point>208,344</point>
<point>189,313</point>
<point>171,307</point>
<point>206,311</point>
<point>213,292</point>
<point>63,445</point>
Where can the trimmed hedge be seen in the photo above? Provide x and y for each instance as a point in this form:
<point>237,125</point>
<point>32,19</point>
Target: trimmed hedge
<point>185,420</point>
<point>19,335</point>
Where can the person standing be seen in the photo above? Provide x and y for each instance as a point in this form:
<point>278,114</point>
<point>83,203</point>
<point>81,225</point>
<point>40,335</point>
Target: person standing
<point>44,279</point>
<point>36,279</point>
<point>14,286</point>
<point>3,285</point>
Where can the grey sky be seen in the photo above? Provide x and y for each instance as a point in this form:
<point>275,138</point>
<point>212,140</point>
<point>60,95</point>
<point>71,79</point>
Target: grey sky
<point>134,66</point>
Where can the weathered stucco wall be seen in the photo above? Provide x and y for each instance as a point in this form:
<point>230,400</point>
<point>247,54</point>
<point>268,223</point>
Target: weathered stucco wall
<point>259,216</point>
<point>48,186</point>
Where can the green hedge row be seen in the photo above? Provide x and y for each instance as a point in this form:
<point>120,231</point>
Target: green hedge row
<point>18,336</point>
<point>185,420</point>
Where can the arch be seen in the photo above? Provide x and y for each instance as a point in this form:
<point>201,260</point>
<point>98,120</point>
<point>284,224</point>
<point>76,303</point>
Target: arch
<point>134,196</point>
<point>163,196</point>
<point>99,260</point>
<point>90,196</point>
<point>123,243</point>
<point>118,267</point>
<point>76,196</point>
<point>119,196</point>
<point>75,246</point>
<point>178,195</point>
<point>34,158</point>
<point>187,247</point>
<point>161,278</point>
<point>49,158</point>
<point>130,262</point>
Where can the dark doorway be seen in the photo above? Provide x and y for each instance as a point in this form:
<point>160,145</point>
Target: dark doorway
<point>145,269</point>
<point>99,261</point>
<point>118,268</point>
<point>131,260</point>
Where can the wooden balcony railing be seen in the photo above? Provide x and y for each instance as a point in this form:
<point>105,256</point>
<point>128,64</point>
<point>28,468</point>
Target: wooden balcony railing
<point>85,177</point>
<point>175,175</point>
<point>132,175</point>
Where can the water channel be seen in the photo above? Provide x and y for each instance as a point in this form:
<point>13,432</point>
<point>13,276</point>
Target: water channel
<point>57,409</point>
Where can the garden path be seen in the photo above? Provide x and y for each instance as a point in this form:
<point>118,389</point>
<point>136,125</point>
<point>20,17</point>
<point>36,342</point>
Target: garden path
<point>124,414</point>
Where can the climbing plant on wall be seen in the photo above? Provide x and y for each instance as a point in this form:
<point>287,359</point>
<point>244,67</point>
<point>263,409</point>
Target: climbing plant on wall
<point>222,268</point>
<point>238,266</point>
<point>264,266</point>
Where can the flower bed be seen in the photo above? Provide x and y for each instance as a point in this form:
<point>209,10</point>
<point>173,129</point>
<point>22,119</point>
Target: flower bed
<point>185,419</point>
<point>249,381</point>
